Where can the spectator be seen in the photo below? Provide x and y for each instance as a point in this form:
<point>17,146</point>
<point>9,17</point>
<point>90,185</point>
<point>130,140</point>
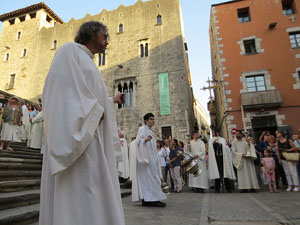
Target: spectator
<point>269,165</point>
<point>286,145</point>
<point>162,155</point>
<point>175,167</point>
<point>297,144</point>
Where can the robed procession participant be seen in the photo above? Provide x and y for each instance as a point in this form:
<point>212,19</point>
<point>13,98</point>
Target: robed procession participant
<point>24,130</point>
<point>220,162</point>
<point>147,181</point>
<point>244,154</point>
<point>37,130</point>
<point>123,165</point>
<point>197,148</point>
<point>80,183</point>
<point>132,157</point>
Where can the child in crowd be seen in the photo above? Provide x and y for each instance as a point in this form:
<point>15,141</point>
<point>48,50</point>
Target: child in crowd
<point>269,165</point>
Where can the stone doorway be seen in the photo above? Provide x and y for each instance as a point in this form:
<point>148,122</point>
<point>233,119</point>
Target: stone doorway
<point>263,123</point>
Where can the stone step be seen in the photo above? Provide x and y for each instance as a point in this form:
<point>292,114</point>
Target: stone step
<point>12,159</point>
<point>31,150</point>
<point>22,152</point>
<point>21,156</point>
<point>19,166</point>
<point>17,199</point>
<point>11,175</point>
<point>19,185</point>
<point>20,216</point>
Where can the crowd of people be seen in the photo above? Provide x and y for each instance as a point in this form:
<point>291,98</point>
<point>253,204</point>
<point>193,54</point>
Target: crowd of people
<point>20,122</point>
<point>249,165</point>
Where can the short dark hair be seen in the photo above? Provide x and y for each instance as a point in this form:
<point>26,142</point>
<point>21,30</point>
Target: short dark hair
<point>147,116</point>
<point>195,132</point>
<point>88,30</point>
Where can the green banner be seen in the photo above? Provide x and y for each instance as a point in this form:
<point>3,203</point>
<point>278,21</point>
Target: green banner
<point>164,94</point>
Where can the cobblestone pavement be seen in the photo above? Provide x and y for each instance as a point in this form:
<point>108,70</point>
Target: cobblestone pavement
<point>190,208</point>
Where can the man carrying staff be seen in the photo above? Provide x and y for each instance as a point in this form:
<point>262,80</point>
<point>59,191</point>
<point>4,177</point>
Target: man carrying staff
<point>79,177</point>
<point>146,182</point>
<point>220,162</point>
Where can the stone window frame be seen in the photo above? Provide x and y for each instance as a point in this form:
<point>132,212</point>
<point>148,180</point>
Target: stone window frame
<point>24,51</point>
<point>54,44</point>
<point>19,35</point>
<point>121,82</point>
<point>292,30</point>
<point>158,19</point>
<point>297,78</point>
<point>9,86</point>
<point>120,28</point>
<point>143,43</point>
<point>257,45</point>
<point>6,57</point>
<point>267,77</point>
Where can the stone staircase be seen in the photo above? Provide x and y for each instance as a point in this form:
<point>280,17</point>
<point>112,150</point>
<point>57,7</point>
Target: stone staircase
<point>20,178</point>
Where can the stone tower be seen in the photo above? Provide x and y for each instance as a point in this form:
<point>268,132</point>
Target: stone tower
<point>146,58</point>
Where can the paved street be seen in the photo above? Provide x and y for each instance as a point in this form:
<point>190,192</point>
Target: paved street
<point>190,208</point>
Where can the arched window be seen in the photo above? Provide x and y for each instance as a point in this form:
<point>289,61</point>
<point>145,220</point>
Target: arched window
<point>24,52</point>
<point>7,57</point>
<point>99,59</point>
<point>55,44</point>
<point>119,91</point>
<point>121,28</point>
<point>142,50</point>
<point>130,94</point>
<point>19,35</point>
<point>103,59</point>
<point>146,50</point>
<point>125,90</point>
<point>158,19</point>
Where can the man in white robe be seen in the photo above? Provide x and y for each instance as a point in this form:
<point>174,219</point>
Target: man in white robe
<point>220,162</point>
<point>37,131</point>
<point>123,166</point>
<point>197,148</point>
<point>146,182</point>
<point>25,128</point>
<point>132,157</point>
<point>244,154</point>
<point>79,178</point>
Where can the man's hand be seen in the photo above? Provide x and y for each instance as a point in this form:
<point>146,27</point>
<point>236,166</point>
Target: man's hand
<point>148,138</point>
<point>244,155</point>
<point>119,98</point>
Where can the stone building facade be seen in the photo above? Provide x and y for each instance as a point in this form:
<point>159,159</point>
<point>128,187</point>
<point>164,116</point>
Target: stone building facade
<point>255,48</point>
<point>146,58</point>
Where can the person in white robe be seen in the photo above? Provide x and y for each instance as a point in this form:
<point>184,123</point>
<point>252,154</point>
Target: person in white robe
<point>197,149</point>
<point>220,167</point>
<point>147,181</point>
<point>244,154</point>
<point>80,183</point>
<point>132,157</point>
<point>37,131</point>
<point>123,166</point>
<point>25,128</point>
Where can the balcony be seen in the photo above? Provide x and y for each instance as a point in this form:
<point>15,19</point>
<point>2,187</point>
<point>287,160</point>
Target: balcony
<point>261,99</point>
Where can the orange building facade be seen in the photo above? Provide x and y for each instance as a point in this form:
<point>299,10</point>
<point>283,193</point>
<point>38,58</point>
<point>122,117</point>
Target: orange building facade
<point>255,51</point>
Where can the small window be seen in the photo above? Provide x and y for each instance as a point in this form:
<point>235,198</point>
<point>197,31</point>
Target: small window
<point>120,28</point>
<point>22,18</point>
<point>295,39</point>
<point>142,50</point>
<point>24,52</point>
<point>11,82</point>
<point>7,57</point>
<point>19,35</point>
<point>48,18</point>
<point>146,50</point>
<point>255,83</point>
<point>158,19</point>
<point>250,47</point>
<point>32,15</point>
<point>101,59</point>
<point>299,74</point>
<point>244,15</point>
<point>287,6</point>
<point>11,22</point>
<point>55,44</point>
